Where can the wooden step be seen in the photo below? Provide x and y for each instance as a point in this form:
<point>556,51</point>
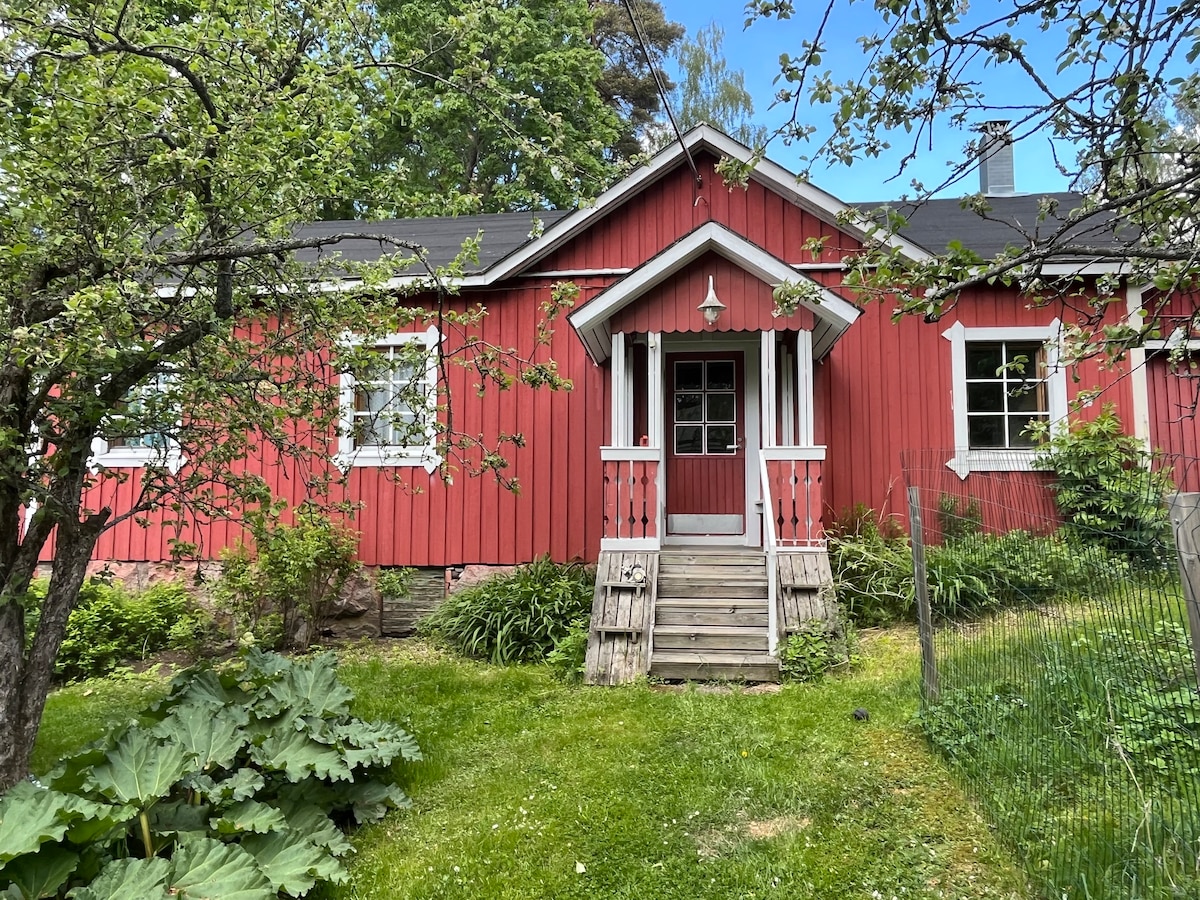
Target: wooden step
<point>684,588</point>
<point>690,616</point>
<point>693,558</point>
<point>710,637</point>
<point>677,570</point>
<point>684,665</point>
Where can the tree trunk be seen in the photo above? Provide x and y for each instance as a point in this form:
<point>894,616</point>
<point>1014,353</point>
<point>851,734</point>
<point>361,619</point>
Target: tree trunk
<point>26,677</point>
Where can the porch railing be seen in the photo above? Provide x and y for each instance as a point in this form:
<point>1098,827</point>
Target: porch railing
<point>631,503</point>
<point>792,500</point>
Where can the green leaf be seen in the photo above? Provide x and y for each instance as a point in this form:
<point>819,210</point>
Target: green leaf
<point>312,688</point>
<point>370,800</point>
<point>297,755</point>
<point>292,862</point>
<point>208,869</point>
<point>179,818</point>
<point>211,740</point>
<point>125,879</point>
<point>376,743</point>
<point>248,816</point>
<point>312,821</point>
<point>140,769</point>
<point>41,874</point>
<point>241,785</point>
<point>30,816</point>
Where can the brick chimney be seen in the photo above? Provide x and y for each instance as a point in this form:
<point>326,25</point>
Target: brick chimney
<point>997,177</point>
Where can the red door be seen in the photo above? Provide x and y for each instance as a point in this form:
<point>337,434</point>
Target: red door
<point>706,441</point>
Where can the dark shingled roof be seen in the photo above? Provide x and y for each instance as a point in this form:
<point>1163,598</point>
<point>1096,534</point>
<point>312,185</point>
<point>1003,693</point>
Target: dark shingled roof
<point>441,236</point>
<point>935,223</point>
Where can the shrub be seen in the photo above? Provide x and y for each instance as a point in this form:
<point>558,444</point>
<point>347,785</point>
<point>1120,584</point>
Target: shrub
<point>568,659</point>
<point>1106,488</point>
<point>519,616</point>
<point>233,786</point>
<point>109,626</point>
<point>872,573</point>
<point>820,647</point>
<point>394,583</point>
<point>281,595</point>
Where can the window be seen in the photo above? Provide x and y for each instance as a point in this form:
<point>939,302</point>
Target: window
<point>388,416</point>
<point>129,437</point>
<point>705,405</point>
<point>1004,380</point>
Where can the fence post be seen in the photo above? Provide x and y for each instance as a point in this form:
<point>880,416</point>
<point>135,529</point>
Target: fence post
<point>1185,522</point>
<point>929,674</point>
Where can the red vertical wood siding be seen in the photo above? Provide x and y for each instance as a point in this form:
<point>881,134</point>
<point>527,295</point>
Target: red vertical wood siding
<point>885,388</point>
<point>1174,422</point>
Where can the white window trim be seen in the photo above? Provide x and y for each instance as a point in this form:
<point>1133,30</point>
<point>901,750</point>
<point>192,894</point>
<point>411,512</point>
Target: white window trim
<point>168,456</point>
<point>349,456</point>
<point>966,460</point>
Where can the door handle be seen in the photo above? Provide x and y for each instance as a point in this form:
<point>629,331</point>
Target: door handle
<point>738,445</point>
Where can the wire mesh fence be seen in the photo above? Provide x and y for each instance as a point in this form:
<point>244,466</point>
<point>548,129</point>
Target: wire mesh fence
<point>1061,668</point>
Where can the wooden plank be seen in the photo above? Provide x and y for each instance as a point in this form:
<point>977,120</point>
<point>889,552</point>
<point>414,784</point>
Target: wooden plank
<point>693,617</point>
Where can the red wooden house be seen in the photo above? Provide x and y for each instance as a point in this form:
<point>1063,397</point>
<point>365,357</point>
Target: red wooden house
<point>706,440</point>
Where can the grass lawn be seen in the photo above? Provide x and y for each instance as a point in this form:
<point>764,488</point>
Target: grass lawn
<point>535,789</point>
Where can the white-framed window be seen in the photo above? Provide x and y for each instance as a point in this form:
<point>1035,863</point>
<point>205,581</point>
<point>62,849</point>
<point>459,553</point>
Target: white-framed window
<point>389,417</point>
<point>126,441</point>
<point>1004,379</point>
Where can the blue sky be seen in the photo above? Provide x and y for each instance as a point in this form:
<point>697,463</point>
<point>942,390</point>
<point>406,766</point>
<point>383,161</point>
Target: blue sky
<point>756,52</point>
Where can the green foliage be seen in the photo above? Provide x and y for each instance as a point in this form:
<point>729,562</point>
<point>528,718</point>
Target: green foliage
<point>872,572</point>
<point>569,656</point>
<point>1107,489</point>
<point>709,92</point>
<point>959,517</point>
<point>110,626</point>
<point>818,648</point>
<point>394,583</point>
<point>519,616</point>
<point>282,594</point>
<point>229,787</point>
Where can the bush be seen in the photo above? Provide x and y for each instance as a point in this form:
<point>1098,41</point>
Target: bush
<point>1107,490</point>
<point>109,626</point>
<point>516,617</point>
<point>819,648</point>
<point>234,785</point>
<point>872,573</point>
<point>282,595</point>
<point>568,659</point>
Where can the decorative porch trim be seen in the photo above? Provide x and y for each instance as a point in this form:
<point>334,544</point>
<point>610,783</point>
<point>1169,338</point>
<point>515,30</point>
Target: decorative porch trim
<point>767,382</point>
<point>834,314</point>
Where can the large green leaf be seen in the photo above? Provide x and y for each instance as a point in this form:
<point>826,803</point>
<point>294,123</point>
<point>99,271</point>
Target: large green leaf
<point>201,688</point>
<point>309,689</point>
<point>41,874</point>
<point>370,800</point>
<point>375,743</point>
<point>30,816</point>
<point>297,756</point>
<point>241,785</point>
<point>140,768</point>
<point>248,816</point>
<point>316,826</point>
<point>178,818</point>
<point>208,869</point>
<point>292,862</point>
<point>211,739</point>
<point>127,879</point>
<point>91,820</point>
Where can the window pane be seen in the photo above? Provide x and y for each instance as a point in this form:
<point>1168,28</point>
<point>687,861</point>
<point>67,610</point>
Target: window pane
<point>368,433</point>
<point>689,408</point>
<point>1024,360</point>
<point>984,359</point>
<point>689,439</point>
<point>1016,430</point>
<point>720,375</point>
<point>985,431</point>
<point>722,408</point>
<point>689,376</point>
<point>721,439</point>
<point>1027,398</point>
<point>372,400</point>
<point>985,397</point>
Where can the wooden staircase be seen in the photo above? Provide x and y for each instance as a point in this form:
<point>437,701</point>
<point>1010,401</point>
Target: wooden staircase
<point>710,615</point>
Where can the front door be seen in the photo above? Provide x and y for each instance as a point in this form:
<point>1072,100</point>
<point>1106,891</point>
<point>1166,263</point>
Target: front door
<point>706,443</point>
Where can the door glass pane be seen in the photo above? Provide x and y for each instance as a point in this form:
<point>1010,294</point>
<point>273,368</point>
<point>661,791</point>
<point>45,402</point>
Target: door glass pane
<point>689,407</point>
<point>689,376</point>
<point>720,375</point>
<point>985,431</point>
<point>721,439</point>
<point>689,439</point>
<point>985,397</point>
<point>722,408</point>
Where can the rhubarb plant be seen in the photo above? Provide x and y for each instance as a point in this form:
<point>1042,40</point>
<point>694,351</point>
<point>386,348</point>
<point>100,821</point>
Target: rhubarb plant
<point>238,784</point>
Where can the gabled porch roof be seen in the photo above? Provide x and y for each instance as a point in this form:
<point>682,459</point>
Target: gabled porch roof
<point>833,314</point>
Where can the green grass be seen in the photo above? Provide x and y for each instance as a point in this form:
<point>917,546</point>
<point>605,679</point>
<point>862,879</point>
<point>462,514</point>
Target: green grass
<point>652,792</point>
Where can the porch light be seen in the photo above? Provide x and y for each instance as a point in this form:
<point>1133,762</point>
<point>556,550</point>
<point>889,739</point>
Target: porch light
<point>711,307</point>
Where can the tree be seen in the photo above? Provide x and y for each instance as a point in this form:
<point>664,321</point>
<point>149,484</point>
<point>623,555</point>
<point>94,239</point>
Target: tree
<point>709,92</point>
<point>496,108</point>
<point>1093,74</point>
<point>627,83</point>
<point>154,167</point>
